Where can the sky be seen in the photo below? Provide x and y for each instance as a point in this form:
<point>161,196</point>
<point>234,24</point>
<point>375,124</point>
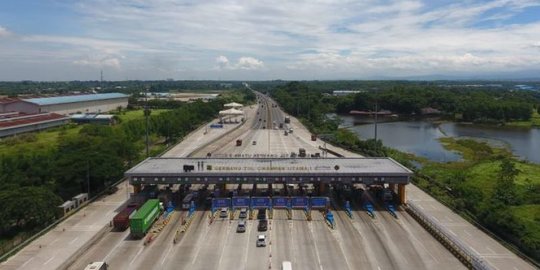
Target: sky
<point>55,40</point>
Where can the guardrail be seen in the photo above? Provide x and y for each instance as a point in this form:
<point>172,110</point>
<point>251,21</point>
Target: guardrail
<point>452,243</point>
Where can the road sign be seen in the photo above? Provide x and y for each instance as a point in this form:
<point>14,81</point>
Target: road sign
<point>240,202</point>
<point>221,202</point>
<point>261,202</point>
<point>319,202</point>
<point>280,202</point>
<point>299,202</point>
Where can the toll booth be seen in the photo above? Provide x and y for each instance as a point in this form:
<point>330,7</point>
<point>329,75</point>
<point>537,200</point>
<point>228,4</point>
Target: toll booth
<point>66,207</point>
<point>319,202</point>
<point>80,199</point>
<point>261,202</point>
<point>299,202</point>
<point>220,203</point>
<point>241,202</point>
<point>280,202</point>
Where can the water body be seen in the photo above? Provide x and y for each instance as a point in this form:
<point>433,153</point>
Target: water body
<point>421,137</point>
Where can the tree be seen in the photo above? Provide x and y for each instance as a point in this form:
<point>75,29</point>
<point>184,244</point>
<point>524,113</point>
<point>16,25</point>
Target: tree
<point>505,189</point>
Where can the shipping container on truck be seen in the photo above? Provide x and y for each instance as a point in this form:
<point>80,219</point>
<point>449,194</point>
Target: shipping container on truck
<point>142,220</point>
<point>121,220</point>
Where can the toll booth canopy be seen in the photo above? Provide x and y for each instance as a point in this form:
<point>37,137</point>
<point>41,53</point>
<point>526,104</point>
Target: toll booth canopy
<point>160,170</point>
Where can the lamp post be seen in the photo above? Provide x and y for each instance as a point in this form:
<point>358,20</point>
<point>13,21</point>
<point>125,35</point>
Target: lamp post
<point>146,115</point>
<point>88,176</point>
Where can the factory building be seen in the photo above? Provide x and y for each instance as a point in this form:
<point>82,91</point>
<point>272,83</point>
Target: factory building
<point>94,103</point>
<point>16,123</point>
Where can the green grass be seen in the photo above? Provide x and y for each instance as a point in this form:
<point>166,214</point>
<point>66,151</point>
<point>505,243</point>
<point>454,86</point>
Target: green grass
<point>480,164</point>
<point>480,169</point>
<point>138,114</point>
<point>533,122</point>
<point>36,141</point>
<point>528,216</point>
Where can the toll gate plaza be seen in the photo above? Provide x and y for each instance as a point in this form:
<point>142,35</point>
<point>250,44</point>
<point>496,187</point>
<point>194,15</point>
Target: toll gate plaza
<point>318,171</point>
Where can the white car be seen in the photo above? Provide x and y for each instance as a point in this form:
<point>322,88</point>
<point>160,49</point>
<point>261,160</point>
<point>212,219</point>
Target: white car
<point>261,240</point>
<point>223,213</point>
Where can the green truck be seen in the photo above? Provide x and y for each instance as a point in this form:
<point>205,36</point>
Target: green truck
<point>142,220</point>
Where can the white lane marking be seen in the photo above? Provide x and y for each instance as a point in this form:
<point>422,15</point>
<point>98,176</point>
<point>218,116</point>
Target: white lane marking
<point>22,266</point>
<point>449,219</point>
<point>49,260</point>
<point>205,235</point>
<point>452,232</point>
<point>310,226</point>
<point>166,255</point>
<point>491,250</point>
<point>467,232</point>
<point>247,242</point>
<point>71,242</point>
<point>436,219</point>
<point>378,267</point>
<point>136,255</point>
<point>223,243</point>
<point>419,242</point>
<point>115,247</point>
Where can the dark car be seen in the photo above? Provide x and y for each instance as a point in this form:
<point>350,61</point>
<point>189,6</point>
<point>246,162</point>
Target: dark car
<point>263,225</point>
<point>261,214</point>
<point>243,213</point>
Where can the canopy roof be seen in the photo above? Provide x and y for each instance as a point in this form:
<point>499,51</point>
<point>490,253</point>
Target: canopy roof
<point>231,112</point>
<point>233,105</point>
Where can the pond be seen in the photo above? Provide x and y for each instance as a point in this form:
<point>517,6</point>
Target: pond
<point>420,137</point>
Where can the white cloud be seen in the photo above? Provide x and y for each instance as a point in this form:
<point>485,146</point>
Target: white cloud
<point>294,38</point>
<point>243,63</point>
<point>222,62</point>
<point>249,63</point>
<point>4,32</point>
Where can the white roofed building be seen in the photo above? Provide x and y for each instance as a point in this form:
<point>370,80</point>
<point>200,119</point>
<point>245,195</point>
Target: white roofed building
<point>93,103</point>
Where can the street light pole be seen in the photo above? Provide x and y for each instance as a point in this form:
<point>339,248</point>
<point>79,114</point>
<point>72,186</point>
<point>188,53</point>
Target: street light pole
<point>88,176</point>
<point>146,114</point>
<point>376,115</point>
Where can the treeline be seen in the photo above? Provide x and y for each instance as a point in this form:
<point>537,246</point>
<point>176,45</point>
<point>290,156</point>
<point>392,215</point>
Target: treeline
<point>459,104</point>
<point>35,181</point>
<point>313,108</point>
<point>37,87</point>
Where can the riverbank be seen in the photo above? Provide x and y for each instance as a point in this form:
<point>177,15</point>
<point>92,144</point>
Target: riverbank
<point>534,122</point>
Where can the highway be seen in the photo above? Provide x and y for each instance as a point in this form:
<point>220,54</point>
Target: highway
<point>360,242</point>
<point>357,243</point>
